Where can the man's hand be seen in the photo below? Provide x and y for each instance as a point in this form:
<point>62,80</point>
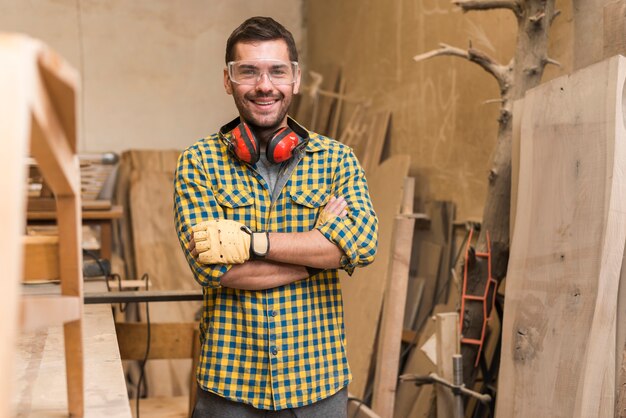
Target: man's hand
<point>220,241</point>
<point>336,207</point>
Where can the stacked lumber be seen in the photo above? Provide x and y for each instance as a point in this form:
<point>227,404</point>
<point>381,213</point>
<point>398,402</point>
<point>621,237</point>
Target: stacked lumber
<point>561,317</point>
<point>319,106</point>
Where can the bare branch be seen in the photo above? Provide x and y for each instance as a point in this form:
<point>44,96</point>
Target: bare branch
<point>444,49</point>
<point>468,5</point>
<point>493,101</point>
<point>485,61</point>
<point>556,14</point>
<point>551,61</point>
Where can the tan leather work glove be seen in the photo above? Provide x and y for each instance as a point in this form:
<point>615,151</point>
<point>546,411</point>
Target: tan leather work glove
<point>222,241</point>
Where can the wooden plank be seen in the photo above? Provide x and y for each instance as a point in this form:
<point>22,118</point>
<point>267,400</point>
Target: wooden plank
<point>356,128</point>
<point>15,131</point>
<point>442,215</point>
<point>363,292</point>
<point>620,345</point>
<point>448,344</point>
<point>413,401</point>
<point>390,334</point>
<point>558,355</point>
<point>518,112</point>
<point>167,340</point>
<point>157,254</point>
<point>427,258</point>
<point>415,290</point>
<point>50,147</point>
<point>372,145</point>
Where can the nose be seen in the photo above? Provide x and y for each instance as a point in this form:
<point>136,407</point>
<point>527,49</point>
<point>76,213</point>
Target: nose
<point>264,83</point>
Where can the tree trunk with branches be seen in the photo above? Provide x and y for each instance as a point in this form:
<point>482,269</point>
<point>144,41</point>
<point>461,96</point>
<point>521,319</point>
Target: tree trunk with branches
<point>524,71</point>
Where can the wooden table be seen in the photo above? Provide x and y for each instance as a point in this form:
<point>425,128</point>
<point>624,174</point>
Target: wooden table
<point>102,218</point>
<point>40,388</point>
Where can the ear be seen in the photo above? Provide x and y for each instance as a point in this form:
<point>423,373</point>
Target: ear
<point>227,85</point>
<point>296,85</point>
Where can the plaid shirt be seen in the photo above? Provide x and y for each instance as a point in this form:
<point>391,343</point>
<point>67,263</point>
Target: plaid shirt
<point>283,347</point>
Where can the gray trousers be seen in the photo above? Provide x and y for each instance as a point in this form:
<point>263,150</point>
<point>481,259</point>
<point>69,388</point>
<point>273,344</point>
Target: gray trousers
<point>209,405</point>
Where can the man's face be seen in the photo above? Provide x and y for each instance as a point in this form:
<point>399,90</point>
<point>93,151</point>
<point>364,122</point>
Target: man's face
<point>263,105</point>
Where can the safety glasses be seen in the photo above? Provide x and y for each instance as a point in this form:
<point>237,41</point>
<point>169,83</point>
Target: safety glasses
<point>249,72</point>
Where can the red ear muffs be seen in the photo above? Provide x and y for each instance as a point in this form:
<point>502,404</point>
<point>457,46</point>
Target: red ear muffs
<point>244,144</point>
<point>281,146</point>
<point>246,147</point>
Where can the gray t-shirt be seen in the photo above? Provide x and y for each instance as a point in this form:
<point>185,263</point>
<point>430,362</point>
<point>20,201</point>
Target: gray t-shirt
<point>268,170</point>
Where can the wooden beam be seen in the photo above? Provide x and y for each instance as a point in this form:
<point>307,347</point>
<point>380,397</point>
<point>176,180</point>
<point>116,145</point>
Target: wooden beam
<point>363,292</point>
<point>390,335</point>
<point>167,340</point>
<point>15,131</point>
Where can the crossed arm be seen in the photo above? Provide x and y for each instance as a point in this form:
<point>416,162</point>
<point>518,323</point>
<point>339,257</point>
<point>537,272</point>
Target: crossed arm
<point>288,258</point>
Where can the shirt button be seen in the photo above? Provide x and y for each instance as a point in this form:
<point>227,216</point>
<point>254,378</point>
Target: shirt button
<point>274,313</point>
<point>274,351</point>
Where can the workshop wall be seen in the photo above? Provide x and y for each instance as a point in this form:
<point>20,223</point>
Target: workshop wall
<point>152,69</point>
<point>438,112</point>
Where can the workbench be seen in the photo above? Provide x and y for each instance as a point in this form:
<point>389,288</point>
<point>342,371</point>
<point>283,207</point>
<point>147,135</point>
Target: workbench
<point>39,370</point>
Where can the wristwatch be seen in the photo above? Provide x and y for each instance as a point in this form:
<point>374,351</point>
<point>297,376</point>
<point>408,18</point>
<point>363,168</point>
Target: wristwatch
<point>259,244</point>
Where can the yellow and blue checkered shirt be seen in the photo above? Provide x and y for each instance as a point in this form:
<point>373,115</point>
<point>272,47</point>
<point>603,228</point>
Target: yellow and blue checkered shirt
<point>283,347</point>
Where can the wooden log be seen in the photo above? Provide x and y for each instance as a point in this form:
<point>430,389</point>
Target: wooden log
<point>559,336</point>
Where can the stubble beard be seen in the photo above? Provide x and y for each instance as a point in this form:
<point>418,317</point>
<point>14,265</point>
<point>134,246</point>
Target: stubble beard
<point>262,124</point>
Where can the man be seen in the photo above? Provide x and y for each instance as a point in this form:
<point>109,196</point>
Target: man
<point>266,212</point>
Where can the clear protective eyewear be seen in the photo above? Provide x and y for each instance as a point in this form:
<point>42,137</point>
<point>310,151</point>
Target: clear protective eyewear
<point>249,72</point>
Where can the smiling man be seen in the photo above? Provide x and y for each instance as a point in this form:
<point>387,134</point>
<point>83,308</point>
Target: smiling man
<point>266,213</point>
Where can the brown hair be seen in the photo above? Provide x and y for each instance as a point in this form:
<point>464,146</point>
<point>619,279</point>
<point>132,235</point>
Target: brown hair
<point>260,28</point>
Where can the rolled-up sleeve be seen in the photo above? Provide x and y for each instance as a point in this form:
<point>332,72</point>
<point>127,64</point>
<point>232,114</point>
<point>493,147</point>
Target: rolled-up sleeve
<point>195,202</point>
<point>357,233</point>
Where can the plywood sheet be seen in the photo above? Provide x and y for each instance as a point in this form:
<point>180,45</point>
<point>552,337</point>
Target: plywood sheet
<point>158,254</point>
<point>558,355</point>
<point>363,292</point>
